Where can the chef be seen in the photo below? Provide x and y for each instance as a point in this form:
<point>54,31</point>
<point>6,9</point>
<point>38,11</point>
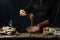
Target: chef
<point>23,8</point>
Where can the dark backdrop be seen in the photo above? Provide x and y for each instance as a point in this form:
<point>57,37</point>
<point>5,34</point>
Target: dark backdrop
<point>7,12</point>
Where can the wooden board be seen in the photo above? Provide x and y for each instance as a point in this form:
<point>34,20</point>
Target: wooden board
<point>27,35</point>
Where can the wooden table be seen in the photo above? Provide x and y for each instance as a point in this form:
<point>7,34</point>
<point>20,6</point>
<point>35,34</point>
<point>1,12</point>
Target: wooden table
<point>27,35</point>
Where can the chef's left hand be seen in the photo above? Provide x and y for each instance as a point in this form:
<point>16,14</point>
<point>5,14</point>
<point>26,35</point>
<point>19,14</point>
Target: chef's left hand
<point>45,22</point>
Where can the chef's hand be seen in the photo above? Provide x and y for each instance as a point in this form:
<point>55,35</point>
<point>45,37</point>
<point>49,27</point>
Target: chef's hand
<point>22,12</point>
<point>45,22</point>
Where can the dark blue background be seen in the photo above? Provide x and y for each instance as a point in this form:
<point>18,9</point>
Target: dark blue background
<point>8,11</point>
